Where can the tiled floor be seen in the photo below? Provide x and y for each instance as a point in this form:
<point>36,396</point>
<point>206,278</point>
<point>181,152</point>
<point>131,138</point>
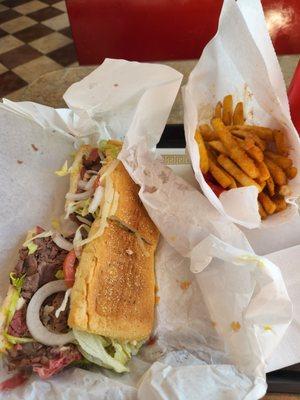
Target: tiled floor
<point>35,38</point>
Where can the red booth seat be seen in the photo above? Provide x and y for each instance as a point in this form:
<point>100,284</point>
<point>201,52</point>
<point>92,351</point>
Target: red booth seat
<point>153,30</point>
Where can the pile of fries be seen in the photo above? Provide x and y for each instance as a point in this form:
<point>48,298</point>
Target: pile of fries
<point>237,154</point>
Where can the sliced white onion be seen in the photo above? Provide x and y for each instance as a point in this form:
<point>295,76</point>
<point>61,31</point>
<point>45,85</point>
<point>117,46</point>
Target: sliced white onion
<point>96,199</point>
<point>92,172</point>
<point>79,196</point>
<point>40,235</point>
<point>61,242</point>
<point>81,184</point>
<point>83,220</point>
<point>101,223</point>
<point>87,185</point>
<point>37,330</point>
<point>90,183</point>
<point>78,238</point>
<point>64,303</point>
<point>110,169</point>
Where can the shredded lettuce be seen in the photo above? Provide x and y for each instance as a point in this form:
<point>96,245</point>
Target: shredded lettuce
<point>60,274</point>
<point>108,353</point>
<point>111,150</point>
<point>120,355</point>
<point>12,305</point>
<point>15,339</point>
<point>31,236</point>
<point>32,247</point>
<point>17,282</point>
<point>80,207</point>
<point>64,170</point>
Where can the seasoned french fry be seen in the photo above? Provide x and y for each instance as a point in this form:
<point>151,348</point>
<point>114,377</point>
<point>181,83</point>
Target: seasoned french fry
<point>249,142</point>
<point>268,205</point>
<point>217,172</point>
<point>284,190</point>
<point>204,163</point>
<point>218,110</point>
<point>238,114</point>
<point>244,135</point>
<point>227,110</point>
<point>264,173</point>
<point>207,133</point>
<point>291,172</point>
<point>233,184</point>
<point>280,143</point>
<point>282,161</point>
<point>261,211</point>
<point>280,203</point>
<point>262,184</point>
<point>249,135</point>
<point>236,153</point>
<point>218,146</point>
<point>276,172</point>
<point>236,172</point>
<point>270,186</point>
<point>223,133</point>
<point>252,150</point>
<point>262,132</point>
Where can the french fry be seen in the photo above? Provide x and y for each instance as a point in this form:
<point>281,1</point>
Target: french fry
<point>223,133</point>
<point>291,172</point>
<point>261,211</point>
<point>244,135</point>
<point>262,132</point>
<point>276,172</point>
<point>270,186</point>
<point>207,133</point>
<point>264,173</point>
<point>251,149</point>
<point>284,190</point>
<point>280,203</point>
<point>236,153</point>
<point>233,183</point>
<point>283,162</point>
<point>204,163</point>
<point>218,146</point>
<point>238,114</point>
<point>227,110</point>
<point>280,143</point>
<point>218,110</point>
<point>249,142</point>
<point>262,185</point>
<point>218,173</point>
<point>268,205</point>
<point>236,172</point>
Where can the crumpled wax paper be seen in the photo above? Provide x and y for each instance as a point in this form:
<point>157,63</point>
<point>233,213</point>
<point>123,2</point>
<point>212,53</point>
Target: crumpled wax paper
<point>215,296</point>
<point>240,60</point>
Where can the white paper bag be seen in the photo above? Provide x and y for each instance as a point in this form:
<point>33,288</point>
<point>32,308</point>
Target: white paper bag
<point>241,61</point>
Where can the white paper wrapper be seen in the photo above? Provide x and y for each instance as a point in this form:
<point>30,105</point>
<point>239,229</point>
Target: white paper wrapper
<point>288,352</point>
<point>241,61</point>
<point>211,340</point>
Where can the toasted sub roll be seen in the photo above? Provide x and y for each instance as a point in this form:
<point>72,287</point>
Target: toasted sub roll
<point>114,290</point>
